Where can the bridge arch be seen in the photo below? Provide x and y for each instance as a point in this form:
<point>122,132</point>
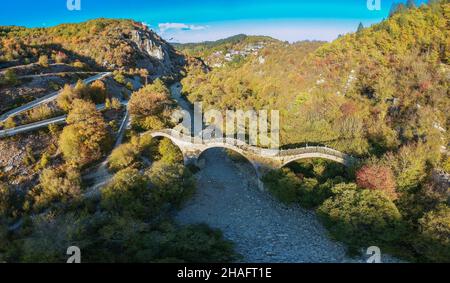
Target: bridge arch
<point>261,159</point>
<point>247,159</point>
<point>289,160</point>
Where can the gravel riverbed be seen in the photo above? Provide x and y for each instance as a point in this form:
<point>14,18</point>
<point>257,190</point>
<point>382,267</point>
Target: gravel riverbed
<point>263,229</point>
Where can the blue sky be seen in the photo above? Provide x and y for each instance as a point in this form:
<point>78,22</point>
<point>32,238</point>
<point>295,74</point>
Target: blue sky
<point>199,20</point>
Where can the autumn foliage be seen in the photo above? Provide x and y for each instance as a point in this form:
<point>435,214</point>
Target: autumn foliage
<point>377,177</point>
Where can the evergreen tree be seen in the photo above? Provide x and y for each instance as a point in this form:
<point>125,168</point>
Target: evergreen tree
<point>411,4</point>
<point>360,27</point>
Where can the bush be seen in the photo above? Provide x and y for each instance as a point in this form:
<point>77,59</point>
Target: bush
<point>128,194</point>
<point>60,57</point>
<point>434,239</point>
<point>86,137</point>
<point>97,92</point>
<point>196,243</point>
<point>312,194</point>
<point>152,123</point>
<point>43,61</point>
<point>79,65</point>
<point>69,94</point>
<point>10,123</point>
<point>51,236</point>
<point>40,113</point>
<point>361,218</point>
<point>122,157</point>
<point>284,185</point>
<point>289,188</point>
<point>9,79</point>
<point>376,177</point>
<point>10,202</point>
<point>150,100</point>
<point>127,155</point>
<point>44,161</point>
<point>169,152</point>
<point>172,182</point>
<point>120,78</point>
<point>58,185</point>
<point>446,164</point>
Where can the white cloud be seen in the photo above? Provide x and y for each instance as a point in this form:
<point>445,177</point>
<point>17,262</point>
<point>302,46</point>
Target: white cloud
<point>179,26</point>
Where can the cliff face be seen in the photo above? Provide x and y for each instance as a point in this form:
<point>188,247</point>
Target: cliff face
<point>155,54</point>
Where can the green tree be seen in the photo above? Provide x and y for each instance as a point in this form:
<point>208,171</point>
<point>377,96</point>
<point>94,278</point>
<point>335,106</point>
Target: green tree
<point>97,92</point>
<point>86,137</point>
<point>43,61</point>
<point>60,185</point>
<point>284,185</point>
<point>197,243</point>
<point>10,202</point>
<point>122,157</point>
<point>128,194</point>
<point>51,236</point>
<point>172,182</point>
<point>358,217</point>
<point>411,4</point>
<point>79,91</point>
<point>169,152</point>
<point>9,78</point>
<point>151,100</point>
<point>360,27</point>
<point>434,240</point>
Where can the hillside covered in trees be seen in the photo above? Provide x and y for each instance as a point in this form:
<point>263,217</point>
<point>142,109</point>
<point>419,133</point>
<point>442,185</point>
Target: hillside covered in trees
<point>52,194</point>
<point>380,94</point>
<point>118,44</point>
<point>363,93</point>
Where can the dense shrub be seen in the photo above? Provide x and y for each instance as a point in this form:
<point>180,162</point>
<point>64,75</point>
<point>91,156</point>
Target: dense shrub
<point>120,239</point>
<point>172,182</point>
<point>169,153</point>
<point>122,157</point>
<point>128,154</point>
<point>361,217</point>
<point>51,236</point>
<point>86,137</point>
<point>61,185</point>
<point>97,92</point>
<point>40,113</point>
<point>376,177</point>
<point>283,184</point>
<point>434,239</point>
<point>152,123</point>
<point>150,100</point>
<point>10,202</point>
<point>291,188</point>
<point>128,194</point>
<point>196,243</point>
<point>43,61</point>
<point>120,78</point>
<point>9,78</point>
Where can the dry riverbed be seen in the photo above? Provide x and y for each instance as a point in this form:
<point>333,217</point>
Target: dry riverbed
<point>262,229</point>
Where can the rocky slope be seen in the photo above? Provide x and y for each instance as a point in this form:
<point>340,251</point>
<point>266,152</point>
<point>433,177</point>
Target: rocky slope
<point>101,43</point>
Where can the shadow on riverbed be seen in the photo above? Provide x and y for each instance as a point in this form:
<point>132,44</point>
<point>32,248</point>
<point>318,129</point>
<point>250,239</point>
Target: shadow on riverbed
<point>263,229</point>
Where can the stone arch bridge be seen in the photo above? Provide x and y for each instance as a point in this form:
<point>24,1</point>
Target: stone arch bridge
<point>261,159</point>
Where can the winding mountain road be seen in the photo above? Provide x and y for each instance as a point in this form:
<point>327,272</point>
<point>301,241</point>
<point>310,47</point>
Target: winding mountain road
<point>47,98</point>
<point>45,123</point>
